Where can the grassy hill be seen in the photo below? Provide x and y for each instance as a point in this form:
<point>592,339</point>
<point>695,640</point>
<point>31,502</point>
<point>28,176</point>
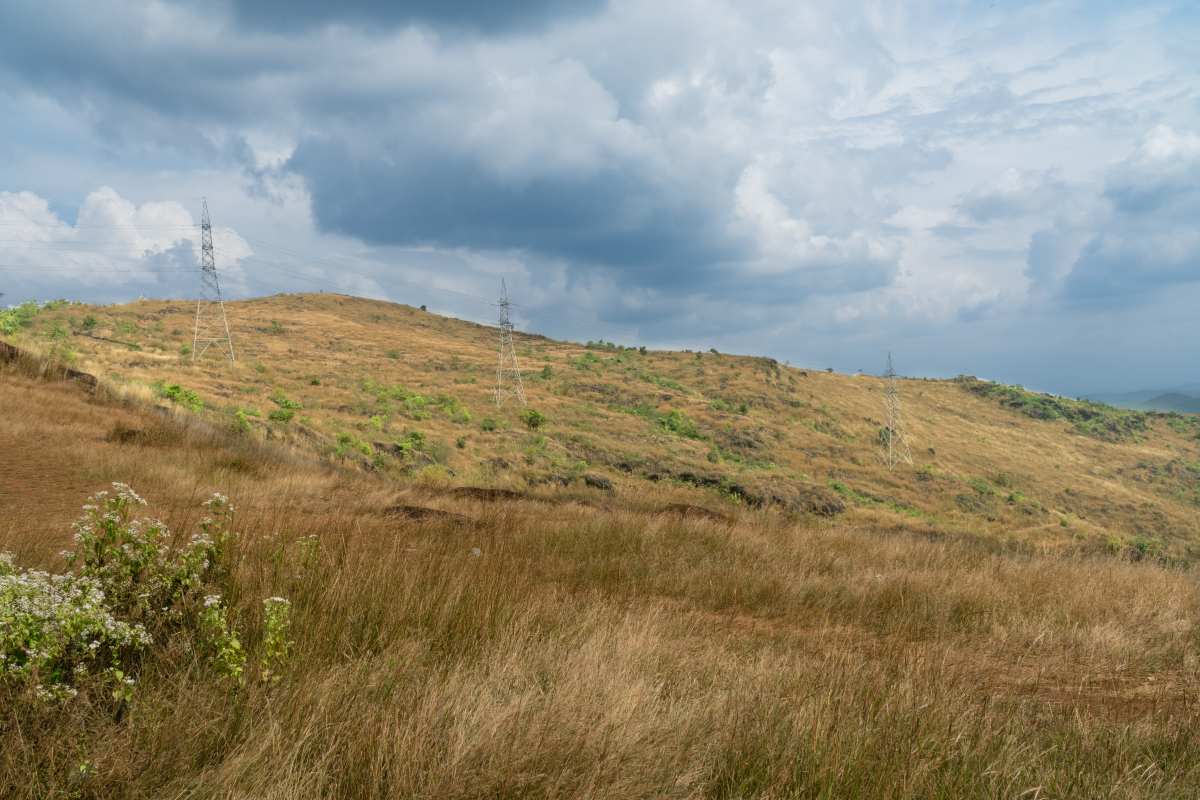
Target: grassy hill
<point>409,394</point>
<point>755,608</point>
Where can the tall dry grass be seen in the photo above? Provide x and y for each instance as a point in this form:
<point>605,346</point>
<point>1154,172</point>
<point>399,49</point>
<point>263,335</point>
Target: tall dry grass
<point>592,648</point>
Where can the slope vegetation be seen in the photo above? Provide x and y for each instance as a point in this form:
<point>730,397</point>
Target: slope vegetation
<point>456,632</point>
<point>408,393</point>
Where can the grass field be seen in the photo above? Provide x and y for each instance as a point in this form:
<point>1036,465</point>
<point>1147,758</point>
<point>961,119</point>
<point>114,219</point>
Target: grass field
<point>946,635</point>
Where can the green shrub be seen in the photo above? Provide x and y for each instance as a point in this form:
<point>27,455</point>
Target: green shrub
<point>283,415</point>
<point>178,395</point>
<point>14,319</point>
<point>533,419</point>
<point>585,361</point>
<point>348,443</point>
<point>56,632</point>
<point>1088,418</point>
<point>487,424</point>
<point>241,419</point>
<point>679,424</point>
<point>89,323</point>
<point>453,409</point>
<point>129,588</point>
<point>284,402</point>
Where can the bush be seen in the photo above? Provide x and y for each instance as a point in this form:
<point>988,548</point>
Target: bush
<point>283,415</point>
<point>241,419</point>
<point>283,401</point>
<point>14,319</point>
<point>487,424</point>
<point>532,419</point>
<point>128,588</point>
<point>1088,418</point>
<point>56,632</point>
<point>178,395</point>
<point>679,424</point>
<point>348,443</point>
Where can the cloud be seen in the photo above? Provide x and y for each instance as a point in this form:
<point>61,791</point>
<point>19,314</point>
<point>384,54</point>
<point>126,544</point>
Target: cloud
<point>1017,193</point>
<point>468,15</point>
<point>113,247</point>
<point>1142,239</point>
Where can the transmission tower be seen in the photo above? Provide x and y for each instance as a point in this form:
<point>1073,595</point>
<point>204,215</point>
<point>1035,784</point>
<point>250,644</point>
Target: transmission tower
<point>508,373</point>
<point>893,439</point>
<point>212,327</point>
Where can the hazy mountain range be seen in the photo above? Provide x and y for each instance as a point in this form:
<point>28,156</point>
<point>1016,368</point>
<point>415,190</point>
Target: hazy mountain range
<point>1184,399</point>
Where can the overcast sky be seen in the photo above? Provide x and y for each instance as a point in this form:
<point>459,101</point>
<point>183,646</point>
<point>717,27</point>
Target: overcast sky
<point>1000,188</point>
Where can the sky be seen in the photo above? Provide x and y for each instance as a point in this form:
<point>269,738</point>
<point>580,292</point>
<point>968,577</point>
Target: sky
<point>1004,189</point>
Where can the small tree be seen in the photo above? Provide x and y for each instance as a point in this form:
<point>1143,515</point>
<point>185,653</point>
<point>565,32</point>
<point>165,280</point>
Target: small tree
<point>532,418</point>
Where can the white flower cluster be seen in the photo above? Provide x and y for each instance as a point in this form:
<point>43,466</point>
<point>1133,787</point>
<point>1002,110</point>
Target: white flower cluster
<point>54,627</point>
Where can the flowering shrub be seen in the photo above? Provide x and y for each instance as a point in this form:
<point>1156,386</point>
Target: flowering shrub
<point>56,629</point>
<point>129,587</point>
<point>132,561</point>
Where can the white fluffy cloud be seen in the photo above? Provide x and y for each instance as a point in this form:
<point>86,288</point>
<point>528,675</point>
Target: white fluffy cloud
<point>113,243</point>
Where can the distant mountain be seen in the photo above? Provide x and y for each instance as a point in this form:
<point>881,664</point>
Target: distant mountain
<point>1175,401</point>
<point>1182,399</point>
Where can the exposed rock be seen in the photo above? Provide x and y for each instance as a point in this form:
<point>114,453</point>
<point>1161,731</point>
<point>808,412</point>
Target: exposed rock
<point>597,482</point>
<point>556,480</point>
<point>816,500</point>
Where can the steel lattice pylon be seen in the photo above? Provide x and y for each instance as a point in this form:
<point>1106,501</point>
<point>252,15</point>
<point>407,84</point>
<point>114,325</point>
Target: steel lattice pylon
<point>212,326</point>
<point>508,373</point>
<point>893,439</point>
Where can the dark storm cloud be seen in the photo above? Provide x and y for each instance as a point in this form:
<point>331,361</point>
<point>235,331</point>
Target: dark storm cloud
<point>614,214</point>
<point>85,52</point>
<point>488,16</point>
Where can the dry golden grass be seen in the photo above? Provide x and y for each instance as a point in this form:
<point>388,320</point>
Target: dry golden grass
<point>595,648</point>
<point>981,470</point>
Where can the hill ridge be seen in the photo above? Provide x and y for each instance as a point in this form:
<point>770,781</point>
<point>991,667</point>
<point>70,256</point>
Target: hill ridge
<point>406,393</point>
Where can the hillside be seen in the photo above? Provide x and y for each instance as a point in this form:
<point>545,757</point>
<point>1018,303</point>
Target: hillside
<point>408,393</point>
<point>568,640</point>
